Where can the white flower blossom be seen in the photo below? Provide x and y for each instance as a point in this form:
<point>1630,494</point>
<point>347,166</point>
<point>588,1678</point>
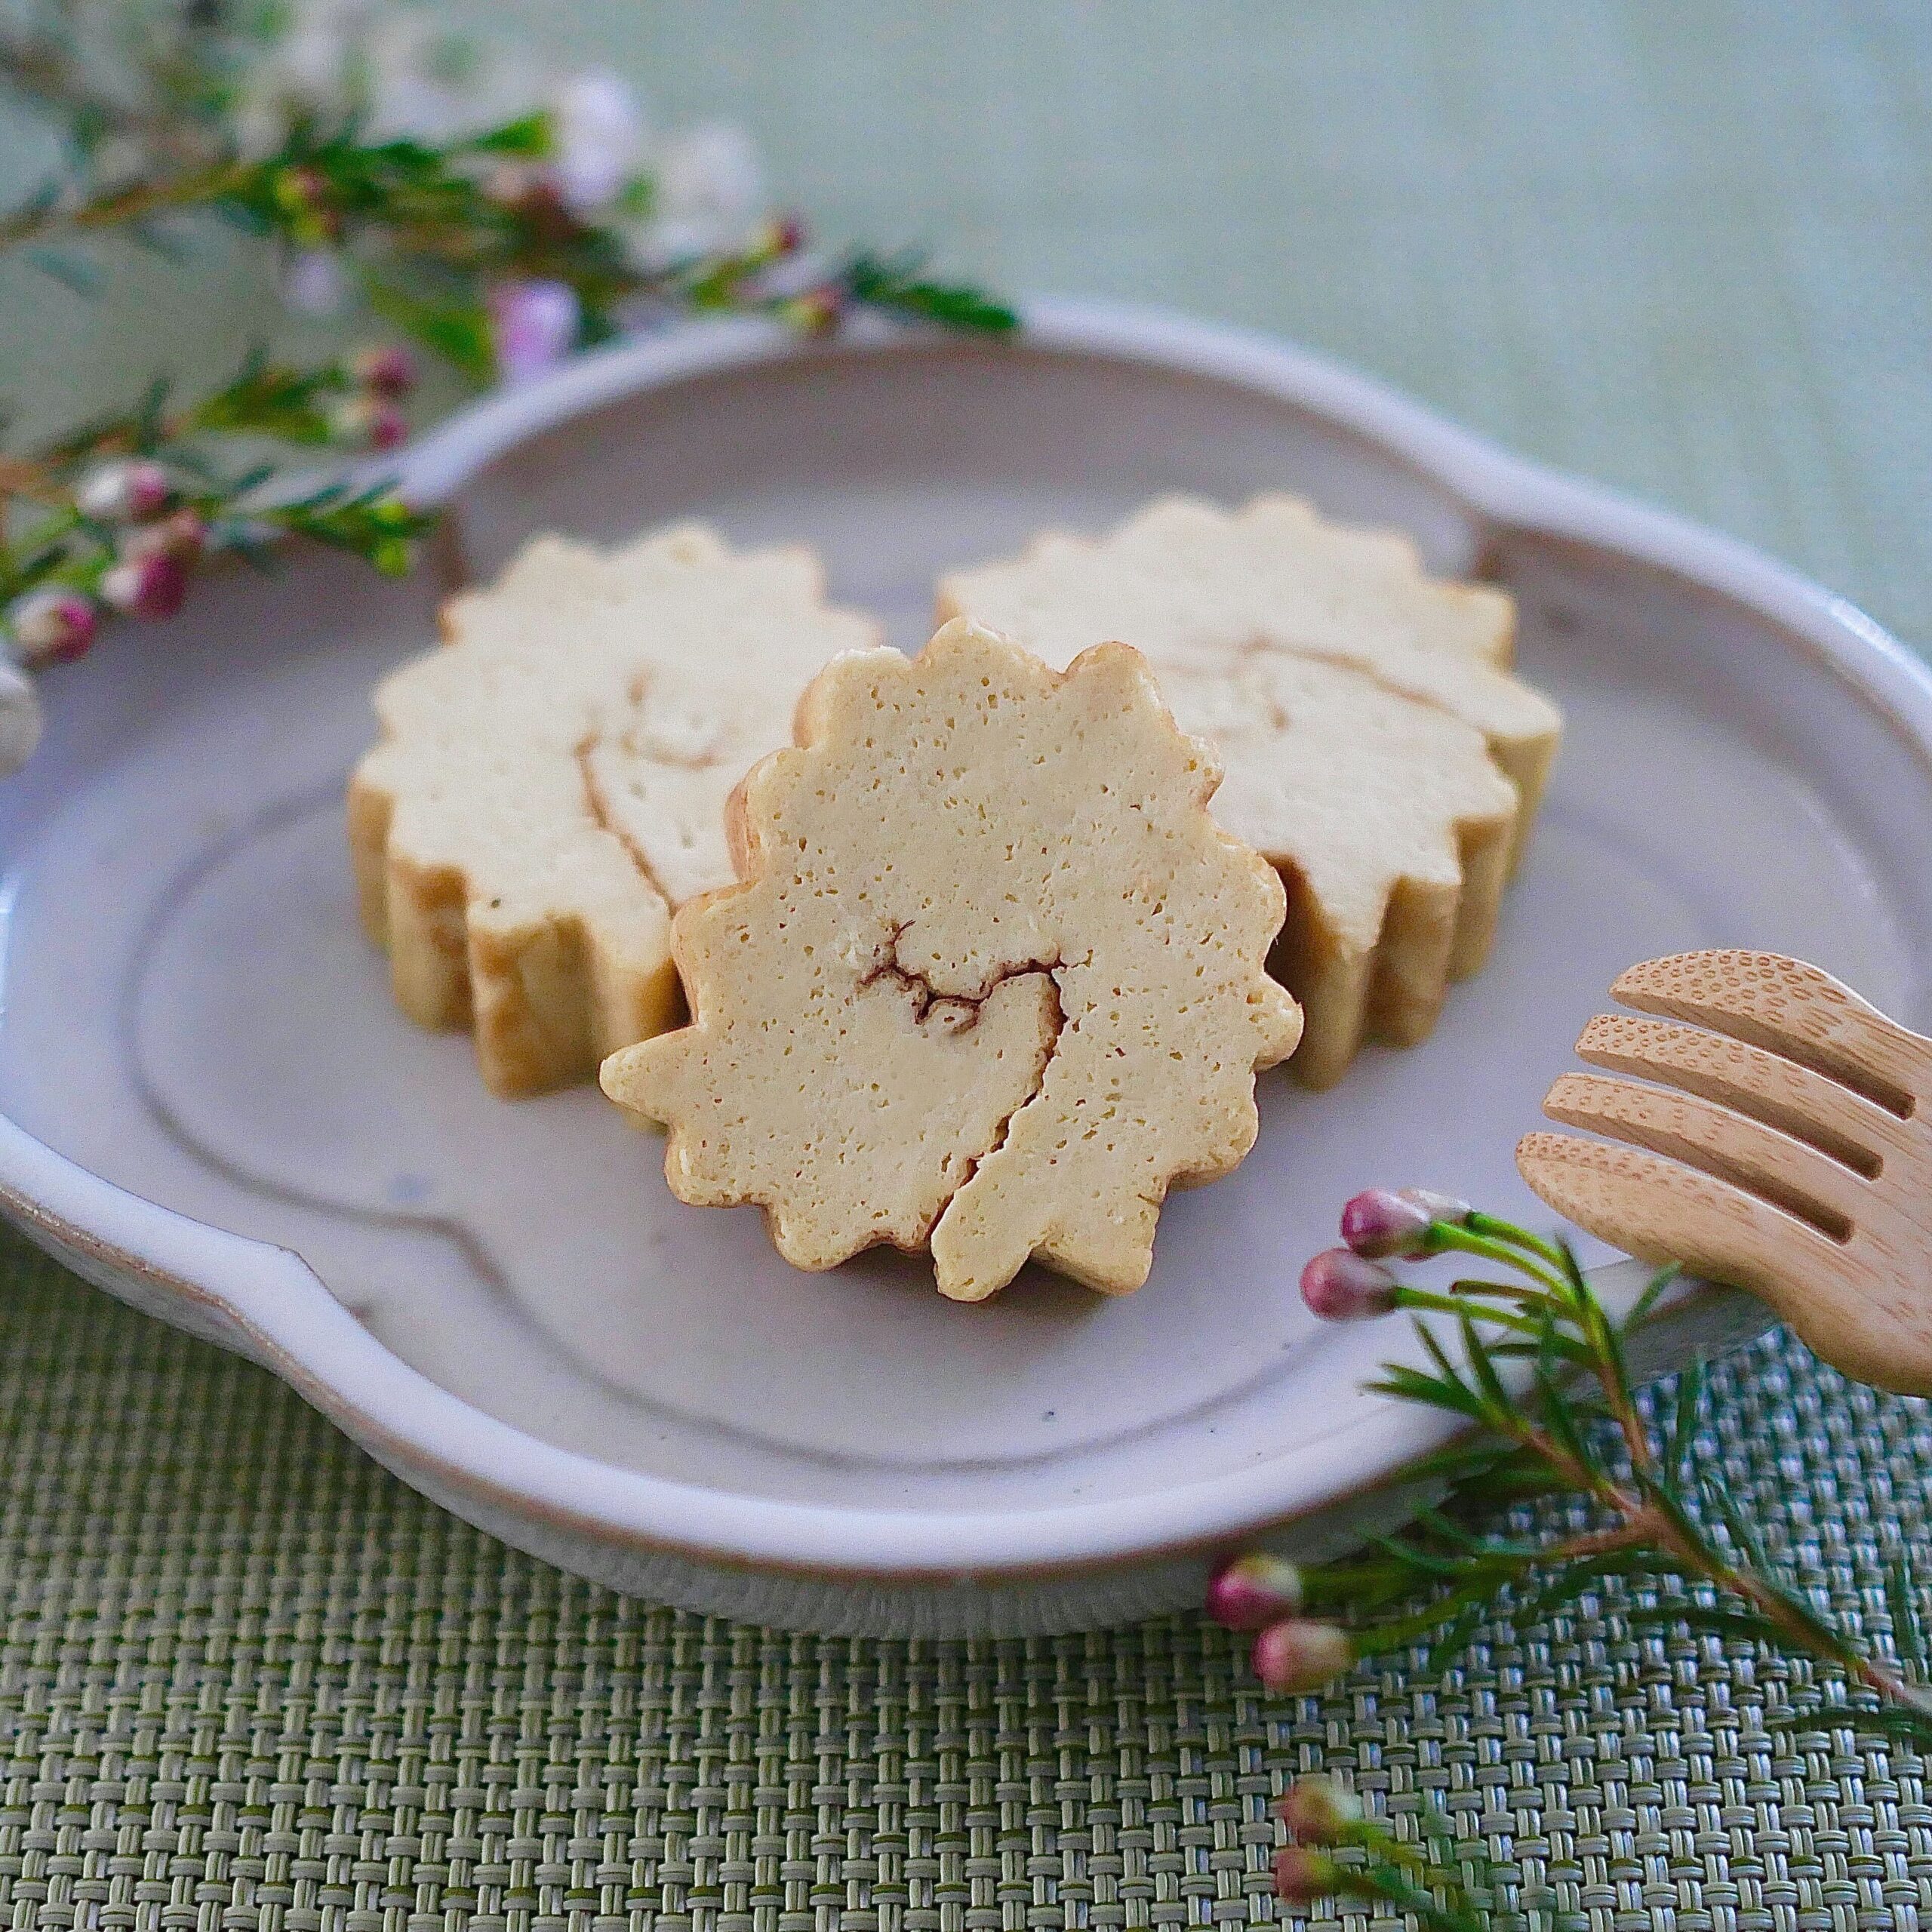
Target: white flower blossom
<point>419,77</point>
<point>709,196</point>
<point>402,68</point>
<point>314,283</point>
<point>600,138</point>
<point>306,72</point>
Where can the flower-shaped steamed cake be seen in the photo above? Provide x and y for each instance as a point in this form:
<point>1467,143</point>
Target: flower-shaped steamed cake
<point>1377,748</point>
<point>550,784</point>
<point>991,981</point>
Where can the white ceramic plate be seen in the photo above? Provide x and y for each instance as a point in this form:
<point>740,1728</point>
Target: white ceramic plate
<point>214,1111</point>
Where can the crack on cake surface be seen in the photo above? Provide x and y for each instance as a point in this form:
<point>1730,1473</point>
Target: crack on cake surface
<point>1257,649</point>
<point>1003,1129</point>
<point>951,1013</point>
<point>954,1014</point>
<point>605,819</point>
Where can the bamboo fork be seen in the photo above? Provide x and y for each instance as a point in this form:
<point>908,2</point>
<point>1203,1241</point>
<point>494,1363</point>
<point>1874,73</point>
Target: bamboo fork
<point>1785,1147</point>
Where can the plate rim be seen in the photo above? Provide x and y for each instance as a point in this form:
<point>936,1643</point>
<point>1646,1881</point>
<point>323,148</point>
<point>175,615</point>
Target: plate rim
<point>276,1309</point>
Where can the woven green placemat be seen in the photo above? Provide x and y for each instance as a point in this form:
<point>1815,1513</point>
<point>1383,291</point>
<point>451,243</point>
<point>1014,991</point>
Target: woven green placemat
<point>250,1679</point>
<point>246,1679</point>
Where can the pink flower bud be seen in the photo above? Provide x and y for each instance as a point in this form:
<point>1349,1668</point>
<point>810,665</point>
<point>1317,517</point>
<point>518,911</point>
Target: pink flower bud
<point>304,198</point>
<point>816,312</point>
<point>1249,1592</point>
<point>182,535</point>
<point>52,627</point>
<point>384,370</point>
<point>1301,1876</point>
<point>301,187</point>
<point>1340,1285</point>
<point>368,421</point>
<point>533,325</point>
<point>128,492</point>
<point>388,428</point>
<point>1300,1654</point>
<point>1317,1809</point>
<point>149,586</point>
<point>1444,1207</point>
<point>787,236</point>
<point>1379,1224</point>
<point>543,205</point>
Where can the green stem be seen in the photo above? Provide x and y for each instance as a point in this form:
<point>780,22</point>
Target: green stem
<point>1426,1298</point>
<point>1490,1569</point>
<point>1446,1235</point>
<point>125,205</point>
<point>1493,1225</point>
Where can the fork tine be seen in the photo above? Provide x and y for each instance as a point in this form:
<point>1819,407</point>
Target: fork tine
<point>1661,1211</point>
<point>1796,1100</point>
<point>1745,1152</point>
<point>1790,1008</point>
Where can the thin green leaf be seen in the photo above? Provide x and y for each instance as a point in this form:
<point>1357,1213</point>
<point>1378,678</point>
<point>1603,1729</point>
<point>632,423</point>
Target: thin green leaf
<point>1565,1348</point>
<point>1902,1600</point>
<point>1642,1308</point>
<point>1474,1457</point>
<point>1452,1533</point>
<point>1504,1552</point>
<point>1572,1270</point>
<point>150,415</point>
<point>458,331</point>
<point>1439,1356</point>
<point>1746,1626</point>
<point>532,138</point>
<point>172,248</point>
<point>257,555</point>
<point>1680,1439</point>
<point>1496,1399</point>
<point>1477,1287</point>
<point>1828,1640</point>
<point>77,276</point>
<point>251,479</point>
<point>1561,1423</point>
<point>1716,1498</point>
<point>1423,1563</point>
<point>1389,1882</point>
<point>195,466</point>
<point>1457,1638</point>
<point>1411,1385</point>
<point>1575,1580</point>
<point>44,196</point>
<point>238,214</point>
<point>897,283</point>
<point>1667,1504</point>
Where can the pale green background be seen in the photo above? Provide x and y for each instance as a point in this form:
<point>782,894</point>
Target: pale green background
<point>1682,245</point>
<point>248,1680</point>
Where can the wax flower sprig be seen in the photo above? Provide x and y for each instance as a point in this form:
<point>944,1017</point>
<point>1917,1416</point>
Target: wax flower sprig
<point>1337,1850</point>
<point>116,516</point>
<point>498,244</point>
<point>1535,1371</point>
<point>501,223</point>
<point>473,248</point>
